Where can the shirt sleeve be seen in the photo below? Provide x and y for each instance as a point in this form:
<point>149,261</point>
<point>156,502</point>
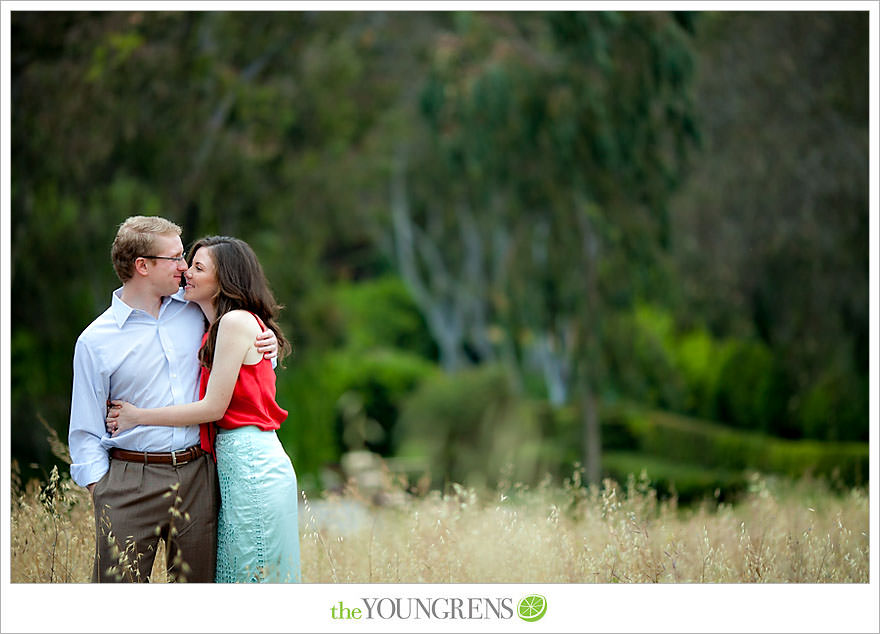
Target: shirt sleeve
<point>88,407</point>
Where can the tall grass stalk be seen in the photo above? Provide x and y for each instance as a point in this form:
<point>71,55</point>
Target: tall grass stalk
<point>779,532</point>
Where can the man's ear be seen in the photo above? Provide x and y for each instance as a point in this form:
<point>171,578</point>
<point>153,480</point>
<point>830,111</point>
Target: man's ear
<point>141,267</point>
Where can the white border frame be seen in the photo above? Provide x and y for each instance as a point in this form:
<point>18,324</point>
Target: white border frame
<point>573,608</point>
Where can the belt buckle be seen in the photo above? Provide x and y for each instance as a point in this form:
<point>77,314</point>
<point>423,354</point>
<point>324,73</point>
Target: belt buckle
<point>174,458</point>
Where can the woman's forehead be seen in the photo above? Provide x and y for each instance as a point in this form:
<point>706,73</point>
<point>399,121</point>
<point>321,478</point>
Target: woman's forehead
<point>203,255</point>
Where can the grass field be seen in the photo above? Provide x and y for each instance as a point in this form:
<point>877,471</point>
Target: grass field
<point>778,532</point>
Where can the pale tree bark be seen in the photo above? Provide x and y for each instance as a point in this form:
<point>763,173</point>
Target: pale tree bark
<point>457,285</point>
<point>473,281</point>
<point>552,354</point>
<point>432,289</point>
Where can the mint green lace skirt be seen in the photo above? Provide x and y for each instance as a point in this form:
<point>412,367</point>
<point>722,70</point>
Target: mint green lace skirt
<point>258,528</point>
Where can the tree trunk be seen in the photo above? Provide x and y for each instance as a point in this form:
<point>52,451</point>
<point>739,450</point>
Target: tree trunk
<point>590,353</point>
<point>591,436</point>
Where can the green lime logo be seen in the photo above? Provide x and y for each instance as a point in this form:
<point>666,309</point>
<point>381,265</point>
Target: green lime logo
<point>532,608</point>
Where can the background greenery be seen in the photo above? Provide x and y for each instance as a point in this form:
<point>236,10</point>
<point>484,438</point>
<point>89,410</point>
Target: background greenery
<point>508,243</point>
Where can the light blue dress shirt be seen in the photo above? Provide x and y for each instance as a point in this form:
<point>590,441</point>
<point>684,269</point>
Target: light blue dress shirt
<point>128,354</point>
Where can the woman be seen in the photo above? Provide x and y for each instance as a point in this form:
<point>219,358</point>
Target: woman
<point>257,531</point>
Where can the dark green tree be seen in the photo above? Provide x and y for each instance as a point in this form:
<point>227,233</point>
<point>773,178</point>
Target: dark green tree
<point>533,196</point>
<point>770,233</point>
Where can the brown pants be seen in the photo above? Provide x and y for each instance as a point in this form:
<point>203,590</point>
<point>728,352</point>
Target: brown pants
<point>136,504</point>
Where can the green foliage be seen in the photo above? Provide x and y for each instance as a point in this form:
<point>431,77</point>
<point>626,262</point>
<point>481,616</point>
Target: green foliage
<point>345,399</point>
<point>40,383</point>
<point>687,481</point>
<point>654,362</point>
<point>771,227</point>
<point>562,135</point>
<point>700,358</point>
<point>752,391</point>
<point>381,379</point>
<point>308,434</point>
<point>472,427</point>
<point>654,345</point>
<point>363,348</point>
<point>836,407</point>
<point>699,442</point>
<point>740,382</point>
<point>366,314</point>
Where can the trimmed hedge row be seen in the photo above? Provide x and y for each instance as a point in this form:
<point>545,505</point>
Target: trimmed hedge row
<point>700,442</point>
<point>687,481</point>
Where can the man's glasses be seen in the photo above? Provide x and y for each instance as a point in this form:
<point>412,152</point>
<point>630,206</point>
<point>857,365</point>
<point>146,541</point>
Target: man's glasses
<point>179,258</point>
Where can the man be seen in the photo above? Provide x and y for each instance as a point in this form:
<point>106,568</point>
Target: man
<point>149,481</point>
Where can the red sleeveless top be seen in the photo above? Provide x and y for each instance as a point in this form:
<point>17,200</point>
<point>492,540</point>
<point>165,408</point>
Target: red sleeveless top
<point>253,400</point>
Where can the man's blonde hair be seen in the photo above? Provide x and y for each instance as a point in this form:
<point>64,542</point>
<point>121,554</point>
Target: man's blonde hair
<point>136,237</point>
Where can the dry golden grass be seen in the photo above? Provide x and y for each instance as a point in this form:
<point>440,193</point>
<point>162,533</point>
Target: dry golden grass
<point>52,534</point>
<point>778,533</point>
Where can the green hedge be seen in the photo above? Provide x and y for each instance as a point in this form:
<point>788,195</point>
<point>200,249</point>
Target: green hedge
<point>472,427</point>
<point>741,382</point>
<point>700,442</point>
<point>687,481</point>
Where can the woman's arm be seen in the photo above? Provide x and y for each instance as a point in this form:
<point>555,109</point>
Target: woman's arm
<point>235,338</point>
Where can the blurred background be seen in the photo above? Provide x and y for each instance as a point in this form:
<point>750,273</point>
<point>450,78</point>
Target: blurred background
<point>511,245</point>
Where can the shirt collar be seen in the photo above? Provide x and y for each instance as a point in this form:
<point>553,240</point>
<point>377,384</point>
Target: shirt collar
<point>178,296</point>
<point>121,310</point>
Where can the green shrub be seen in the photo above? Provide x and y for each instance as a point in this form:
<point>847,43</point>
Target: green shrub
<point>689,482</point>
<point>712,445</point>
<point>328,396</point>
<point>700,357</point>
<point>752,391</point>
<point>367,314</point>
<point>380,380</point>
<point>305,391</point>
<point>740,382</point>
<point>561,431</point>
<point>836,408</point>
<point>471,427</point>
<point>641,364</point>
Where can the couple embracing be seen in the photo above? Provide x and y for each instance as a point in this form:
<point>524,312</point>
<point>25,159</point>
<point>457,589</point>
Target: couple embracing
<point>184,358</point>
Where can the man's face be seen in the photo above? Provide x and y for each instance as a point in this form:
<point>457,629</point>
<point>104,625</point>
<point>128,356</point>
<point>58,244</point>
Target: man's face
<point>165,273</point>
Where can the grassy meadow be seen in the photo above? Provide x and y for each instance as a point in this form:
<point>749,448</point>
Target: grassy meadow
<point>777,532</point>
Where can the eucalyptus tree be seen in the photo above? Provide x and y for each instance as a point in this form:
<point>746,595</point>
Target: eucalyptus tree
<point>532,198</point>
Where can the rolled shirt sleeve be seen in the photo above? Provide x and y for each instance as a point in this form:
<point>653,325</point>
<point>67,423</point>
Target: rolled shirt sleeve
<point>91,387</point>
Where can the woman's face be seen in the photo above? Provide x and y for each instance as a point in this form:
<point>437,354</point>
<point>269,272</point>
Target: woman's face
<point>201,277</point>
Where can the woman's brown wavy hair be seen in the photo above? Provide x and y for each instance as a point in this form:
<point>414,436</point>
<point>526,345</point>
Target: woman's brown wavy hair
<point>241,285</point>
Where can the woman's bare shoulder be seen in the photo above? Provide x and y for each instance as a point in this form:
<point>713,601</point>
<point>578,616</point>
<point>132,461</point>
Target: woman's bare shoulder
<point>240,321</point>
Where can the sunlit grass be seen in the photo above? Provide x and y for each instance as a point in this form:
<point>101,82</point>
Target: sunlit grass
<point>778,532</point>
